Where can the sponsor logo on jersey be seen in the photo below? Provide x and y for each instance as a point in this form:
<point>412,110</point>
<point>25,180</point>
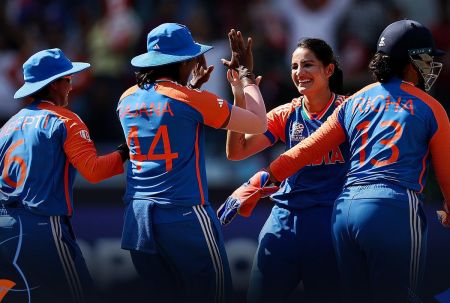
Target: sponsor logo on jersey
<point>85,135</point>
<point>297,131</point>
<point>220,101</point>
<point>156,46</point>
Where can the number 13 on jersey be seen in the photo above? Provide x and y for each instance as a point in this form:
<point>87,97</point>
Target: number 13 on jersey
<point>388,142</point>
<point>161,135</point>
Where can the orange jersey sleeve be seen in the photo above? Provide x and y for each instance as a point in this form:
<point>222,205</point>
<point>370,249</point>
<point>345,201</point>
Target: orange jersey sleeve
<point>80,149</point>
<point>440,142</point>
<point>214,110</point>
<point>276,121</point>
<point>328,136</point>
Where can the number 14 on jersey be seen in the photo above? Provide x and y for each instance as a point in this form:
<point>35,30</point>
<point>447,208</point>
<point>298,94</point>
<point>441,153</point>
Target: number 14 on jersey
<point>161,135</point>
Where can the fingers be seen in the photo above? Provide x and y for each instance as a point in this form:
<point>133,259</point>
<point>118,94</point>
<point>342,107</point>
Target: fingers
<point>230,77</point>
<point>258,80</point>
<point>202,61</point>
<point>233,78</point>
<point>443,218</point>
<point>249,44</point>
<point>209,70</point>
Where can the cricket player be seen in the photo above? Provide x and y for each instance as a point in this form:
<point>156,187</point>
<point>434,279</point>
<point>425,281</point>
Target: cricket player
<point>295,244</point>
<point>173,235</point>
<point>395,130</point>
<point>41,149</point>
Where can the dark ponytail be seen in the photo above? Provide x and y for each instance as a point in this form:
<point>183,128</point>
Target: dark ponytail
<point>325,55</point>
<point>383,68</point>
<point>148,75</point>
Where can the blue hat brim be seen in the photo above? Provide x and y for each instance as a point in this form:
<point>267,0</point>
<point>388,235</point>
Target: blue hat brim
<point>30,88</point>
<point>157,58</point>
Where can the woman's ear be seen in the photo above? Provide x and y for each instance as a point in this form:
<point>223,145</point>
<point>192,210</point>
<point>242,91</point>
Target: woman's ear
<point>329,70</point>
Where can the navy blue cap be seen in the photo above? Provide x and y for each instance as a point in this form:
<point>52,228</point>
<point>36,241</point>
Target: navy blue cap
<point>407,37</point>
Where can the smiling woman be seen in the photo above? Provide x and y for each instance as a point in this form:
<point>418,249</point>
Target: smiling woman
<point>304,201</point>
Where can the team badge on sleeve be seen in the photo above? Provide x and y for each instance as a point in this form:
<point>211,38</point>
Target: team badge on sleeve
<point>85,135</point>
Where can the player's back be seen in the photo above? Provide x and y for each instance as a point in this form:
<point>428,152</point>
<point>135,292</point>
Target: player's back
<point>389,127</point>
<point>35,171</point>
<point>164,128</point>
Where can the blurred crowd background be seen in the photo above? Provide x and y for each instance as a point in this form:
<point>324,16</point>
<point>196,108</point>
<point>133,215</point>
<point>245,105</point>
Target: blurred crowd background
<point>108,33</point>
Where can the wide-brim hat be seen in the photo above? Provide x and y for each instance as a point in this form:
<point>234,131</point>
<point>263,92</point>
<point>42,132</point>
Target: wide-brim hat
<point>407,37</point>
<point>169,43</point>
<point>44,67</point>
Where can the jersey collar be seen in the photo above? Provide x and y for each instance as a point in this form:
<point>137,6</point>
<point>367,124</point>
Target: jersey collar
<point>309,116</point>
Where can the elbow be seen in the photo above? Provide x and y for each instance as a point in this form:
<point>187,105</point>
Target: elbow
<point>262,127</point>
<point>233,156</point>
<point>236,155</point>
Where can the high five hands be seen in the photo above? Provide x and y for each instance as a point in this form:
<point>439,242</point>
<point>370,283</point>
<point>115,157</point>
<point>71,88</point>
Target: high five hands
<point>241,57</point>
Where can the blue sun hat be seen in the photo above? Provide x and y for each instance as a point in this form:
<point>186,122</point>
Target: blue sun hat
<point>43,68</point>
<point>169,43</point>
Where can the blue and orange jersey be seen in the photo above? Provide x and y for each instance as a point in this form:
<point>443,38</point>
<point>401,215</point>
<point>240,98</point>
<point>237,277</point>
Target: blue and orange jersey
<point>389,127</point>
<point>164,125</point>
<point>41,148</point>
<point>394,130</point>
<point>320,182</point>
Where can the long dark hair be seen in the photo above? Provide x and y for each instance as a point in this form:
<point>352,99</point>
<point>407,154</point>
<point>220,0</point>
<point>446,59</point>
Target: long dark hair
<point>383,67</point>
<point>148,75</point>
<point>325,55</point>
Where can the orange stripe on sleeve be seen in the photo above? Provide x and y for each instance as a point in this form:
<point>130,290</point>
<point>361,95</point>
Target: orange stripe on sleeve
<point>80,150</point>
<point>128,92</point>
<point>439,143</point>
<point>215,111</point>
<point>328,136</point>
<point>197,167</point>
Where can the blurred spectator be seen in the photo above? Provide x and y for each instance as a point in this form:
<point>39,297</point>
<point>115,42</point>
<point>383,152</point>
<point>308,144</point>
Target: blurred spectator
<point>441,30</point>
<point>362,24</point>
<point>110,43</point>
<point>312,18</point>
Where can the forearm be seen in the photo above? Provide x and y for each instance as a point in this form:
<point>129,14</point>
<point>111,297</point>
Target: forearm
<point>440,149</point>
<point>98,168</point>
<point>235,145</point>
<point>329,135</point>
<point>251,120</point>
<point>83,156</point>
<point>236,141</point>
<point>255,102</point>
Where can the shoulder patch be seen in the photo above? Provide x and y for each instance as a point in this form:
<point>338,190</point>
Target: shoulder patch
<point>85,135</point>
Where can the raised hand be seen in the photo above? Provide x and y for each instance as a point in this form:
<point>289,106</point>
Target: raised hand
<point>241,52</point>
<point>201,73</point>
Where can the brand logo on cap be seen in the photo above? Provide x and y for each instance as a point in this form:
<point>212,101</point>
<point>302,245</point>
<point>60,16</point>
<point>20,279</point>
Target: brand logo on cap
<point>220,101</point>
<point>156,46</point>
<point>382,42</point>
